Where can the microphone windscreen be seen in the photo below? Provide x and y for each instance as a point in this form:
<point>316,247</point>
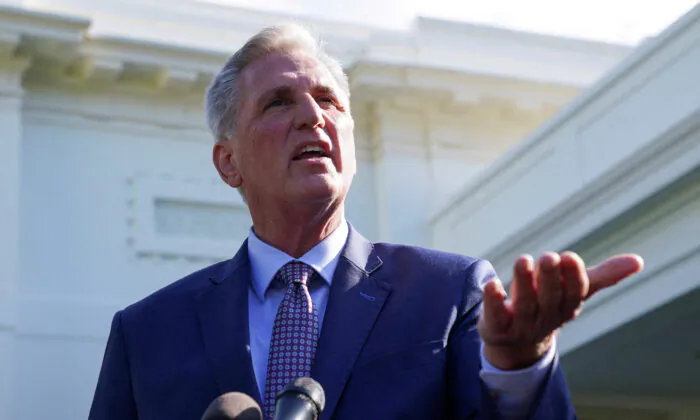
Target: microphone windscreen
<point>309,387</point>
<point>233,405</point>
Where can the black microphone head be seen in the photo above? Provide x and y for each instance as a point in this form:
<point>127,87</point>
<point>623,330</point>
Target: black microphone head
<point>308,387</point>
<point>233,405</point>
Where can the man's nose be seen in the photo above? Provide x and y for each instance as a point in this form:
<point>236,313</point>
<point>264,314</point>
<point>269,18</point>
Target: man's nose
<point>309,114</point>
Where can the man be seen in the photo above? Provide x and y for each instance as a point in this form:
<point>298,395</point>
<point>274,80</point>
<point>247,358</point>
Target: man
<point>389,331</point>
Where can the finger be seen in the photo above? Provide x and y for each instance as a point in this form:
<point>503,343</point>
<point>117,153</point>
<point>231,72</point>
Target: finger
<point>575,284</point>
<point>496,317</point>
<point>549,291</point>
<point>523,292</point>
<point>612,271</point>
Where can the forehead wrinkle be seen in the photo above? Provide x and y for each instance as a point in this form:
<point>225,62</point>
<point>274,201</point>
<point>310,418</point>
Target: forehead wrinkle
<point>294,64</point>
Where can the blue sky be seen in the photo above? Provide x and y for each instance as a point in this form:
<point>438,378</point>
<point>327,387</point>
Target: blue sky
<point>616,21</point>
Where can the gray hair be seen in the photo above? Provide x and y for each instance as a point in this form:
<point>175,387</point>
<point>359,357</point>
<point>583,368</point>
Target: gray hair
<point>223,95</point>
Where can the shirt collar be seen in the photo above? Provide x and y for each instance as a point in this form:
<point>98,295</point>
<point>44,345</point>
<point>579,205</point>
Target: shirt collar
<point>266,260</point>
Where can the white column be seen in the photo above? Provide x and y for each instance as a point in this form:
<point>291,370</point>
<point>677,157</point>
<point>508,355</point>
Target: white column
<point>10,172</point>
<point>402,175</point>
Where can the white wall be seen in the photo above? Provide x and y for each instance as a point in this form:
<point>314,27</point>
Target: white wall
<point>10,214</point>
<point>78,265</point>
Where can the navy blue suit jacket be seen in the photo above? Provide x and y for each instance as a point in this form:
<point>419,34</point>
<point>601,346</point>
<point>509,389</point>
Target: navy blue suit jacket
<point>399,341</point>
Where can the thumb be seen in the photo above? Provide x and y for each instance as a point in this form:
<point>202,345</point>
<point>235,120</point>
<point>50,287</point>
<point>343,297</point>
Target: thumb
<point>612,271</point>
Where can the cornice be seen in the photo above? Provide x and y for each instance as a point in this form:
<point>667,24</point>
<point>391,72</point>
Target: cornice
<point>682,33</point>
<point>25,36</point>
<point>58,51</point>
<point>673,156</point>
<point>112,66</point>
<point>417,62</point>
<point>59,28</point>
<point>482,50</point>
<point>202,24</point>
<point>192,35</point>
<point>153,54</point>
<point>113,62</point>
<point>452,92</point>
<point>406,69</point>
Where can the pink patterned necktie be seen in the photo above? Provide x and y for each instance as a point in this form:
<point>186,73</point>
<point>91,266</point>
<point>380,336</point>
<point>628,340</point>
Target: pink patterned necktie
<point>294,334</point>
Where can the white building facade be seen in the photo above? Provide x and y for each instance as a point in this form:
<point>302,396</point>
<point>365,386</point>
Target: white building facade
<point>108,191</point>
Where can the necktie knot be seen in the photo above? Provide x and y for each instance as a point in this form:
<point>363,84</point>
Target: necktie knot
<point>297,272</point>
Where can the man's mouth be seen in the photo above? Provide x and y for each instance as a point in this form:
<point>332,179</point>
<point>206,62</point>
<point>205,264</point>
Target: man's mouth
<point>311,152</point>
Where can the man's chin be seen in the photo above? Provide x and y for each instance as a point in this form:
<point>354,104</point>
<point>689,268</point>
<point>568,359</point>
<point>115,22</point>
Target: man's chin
<point>319,191</point>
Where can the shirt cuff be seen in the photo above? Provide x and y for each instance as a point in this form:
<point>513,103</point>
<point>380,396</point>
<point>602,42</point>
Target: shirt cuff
<point>513,390</point>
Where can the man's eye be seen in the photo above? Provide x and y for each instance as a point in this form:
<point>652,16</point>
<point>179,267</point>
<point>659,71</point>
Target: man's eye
<point>276,102</point>
<point>327,100</point>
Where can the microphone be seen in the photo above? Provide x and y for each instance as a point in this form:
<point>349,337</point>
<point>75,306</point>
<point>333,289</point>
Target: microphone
<point>233,406</point>
<point>301,399</point>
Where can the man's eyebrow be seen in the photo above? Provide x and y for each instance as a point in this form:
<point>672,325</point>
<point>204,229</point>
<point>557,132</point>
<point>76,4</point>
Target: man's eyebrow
<point>324,89</point>
<point>286,90</point>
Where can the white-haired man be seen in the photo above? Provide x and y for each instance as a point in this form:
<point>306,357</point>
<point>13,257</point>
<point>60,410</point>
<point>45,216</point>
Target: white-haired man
<point>390,331</point>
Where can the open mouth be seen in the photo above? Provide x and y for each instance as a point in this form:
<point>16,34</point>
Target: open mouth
<point>311,152</point>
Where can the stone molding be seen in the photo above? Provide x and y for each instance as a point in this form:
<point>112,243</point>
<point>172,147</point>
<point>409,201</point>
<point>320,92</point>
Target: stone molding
<point>408,69</point>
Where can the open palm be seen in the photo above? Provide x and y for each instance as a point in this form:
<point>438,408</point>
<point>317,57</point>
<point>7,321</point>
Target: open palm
<point>518,331</point>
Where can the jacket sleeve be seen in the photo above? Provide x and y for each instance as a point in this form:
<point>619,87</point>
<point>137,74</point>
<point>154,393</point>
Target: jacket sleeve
<point>469,395</point>
<point>553,400</point>
<point>113,395</point>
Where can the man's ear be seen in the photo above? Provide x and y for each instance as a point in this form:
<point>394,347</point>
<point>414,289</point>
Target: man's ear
<point>225,163</point>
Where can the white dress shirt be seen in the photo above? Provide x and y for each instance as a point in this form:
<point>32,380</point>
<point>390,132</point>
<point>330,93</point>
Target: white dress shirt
<point>512,390</point>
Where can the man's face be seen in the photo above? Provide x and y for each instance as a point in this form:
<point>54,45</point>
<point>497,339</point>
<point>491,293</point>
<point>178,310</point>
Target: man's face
<point>294,134</point>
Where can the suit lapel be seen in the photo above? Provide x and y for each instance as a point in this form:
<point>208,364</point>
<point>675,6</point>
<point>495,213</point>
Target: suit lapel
<point>223,315</point>
<point>356,297</point>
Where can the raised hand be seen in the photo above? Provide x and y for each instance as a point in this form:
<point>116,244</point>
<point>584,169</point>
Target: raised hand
<point>518,331</point>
